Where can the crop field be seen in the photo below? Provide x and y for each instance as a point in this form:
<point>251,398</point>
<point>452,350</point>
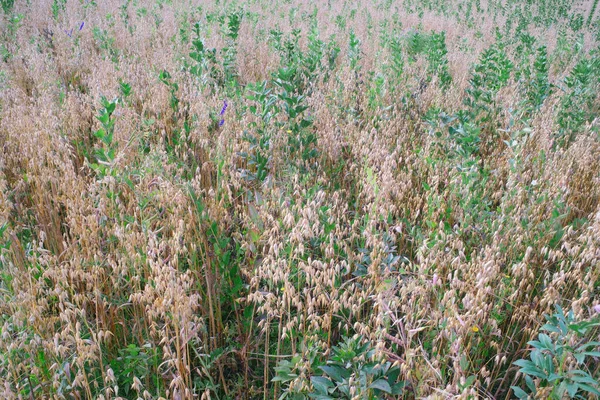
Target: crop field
<point>291,199</point>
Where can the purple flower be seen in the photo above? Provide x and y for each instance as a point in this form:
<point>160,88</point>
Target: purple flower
<point>81,26</point>
<point>222,121</point>
<point>69,33</point>
<point>597,308</point>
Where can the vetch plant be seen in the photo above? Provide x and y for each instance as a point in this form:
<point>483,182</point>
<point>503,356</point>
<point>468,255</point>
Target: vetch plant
<point>560,359</point>
<point>352,371</point>
<point>106,154</point>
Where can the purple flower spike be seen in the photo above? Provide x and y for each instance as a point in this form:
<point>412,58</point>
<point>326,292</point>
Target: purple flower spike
<point>224,107</point>
<point>221,122</point>
<point>69,33</point>
<point>81,26</point>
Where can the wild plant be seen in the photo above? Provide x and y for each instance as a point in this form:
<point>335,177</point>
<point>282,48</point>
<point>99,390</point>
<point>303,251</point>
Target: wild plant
<point>558,364</point>
<point>205,68</point>
<point>105,155</point>
<point>539,87</point>
<point>258,156</point>
<point>230,50</point>
<point>276,200</point>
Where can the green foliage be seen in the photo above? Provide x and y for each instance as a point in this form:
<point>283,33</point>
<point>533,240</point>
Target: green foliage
<point>354,50</point>
<point>592,12</point>
<point>433,45</point>
<point>351,371</point>
<point>58,6</point>
<point>205,66</point>
<point>312,60</point>
<point>490,74</point>
<point>125,89</point>
<point>437,58</point>
<point>230,50</point>
<point>258,156</point>
<point>553,351</point>
<point>396,65</point>
<point>165,77</point>
<point>7,6</point>
<point>539,87</point>
<point>577,105</point>
<point>105,155</point>
<point>301,139</point>
<point>106,43</point>
<point>416,43</point>
<point>134,361</point>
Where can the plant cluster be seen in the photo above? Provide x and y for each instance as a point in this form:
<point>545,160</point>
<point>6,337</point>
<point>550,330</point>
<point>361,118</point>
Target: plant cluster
<point>295,200</point>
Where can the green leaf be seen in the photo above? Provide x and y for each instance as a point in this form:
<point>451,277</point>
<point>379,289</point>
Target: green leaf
<point>582,327</point>
<point>572,389</point>
<point>533,371</point>
<point>398,387</point>
<point>550,328</point>
<point>469,381</point>
<point>589,389</point>
<point>520,393</point>
<point>529,383</point>
<point>321,384</point>
<point>524,363</point>
<point>588,344</point>
<point>551,378</point>
<point>381,384</point>
<point>393,374</point>
<point>337,373</point>
<point>100,133</point>
<point>592,353</point>
<point>284,377</point>
<point>546,341</point>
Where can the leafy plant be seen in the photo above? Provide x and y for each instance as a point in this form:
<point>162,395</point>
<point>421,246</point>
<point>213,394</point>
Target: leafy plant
<point>437,57</point>
<point>539,87</point>
<point>106,154</point>
<point>7,5</point>
<point>351,371</point>
<point>265,109</point>
<point>230,51</point>
<point>134,362</point>
<point>354,50</point>
<point>551,360</point>
<point>577,104</point>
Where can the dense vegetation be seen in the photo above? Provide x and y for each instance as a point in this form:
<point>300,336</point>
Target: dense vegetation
<point>299,200</point>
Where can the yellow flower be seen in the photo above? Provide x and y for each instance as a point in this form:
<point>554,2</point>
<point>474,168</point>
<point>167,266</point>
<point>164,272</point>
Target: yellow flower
<point>289,131</point>
<point>475,329</point>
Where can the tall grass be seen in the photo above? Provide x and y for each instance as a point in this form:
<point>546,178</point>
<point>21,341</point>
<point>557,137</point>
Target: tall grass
<point>270,200</point>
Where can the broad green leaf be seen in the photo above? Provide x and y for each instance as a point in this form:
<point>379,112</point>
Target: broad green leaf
<point>382,385</point>
<point>589,389</point>
<point>321,384</point>
<point>572,389</point>
<point>520,393</point>
<point>337,373</point>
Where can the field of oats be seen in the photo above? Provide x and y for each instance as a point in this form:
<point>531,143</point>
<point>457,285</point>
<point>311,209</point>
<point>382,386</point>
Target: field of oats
<point>295,200</point>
